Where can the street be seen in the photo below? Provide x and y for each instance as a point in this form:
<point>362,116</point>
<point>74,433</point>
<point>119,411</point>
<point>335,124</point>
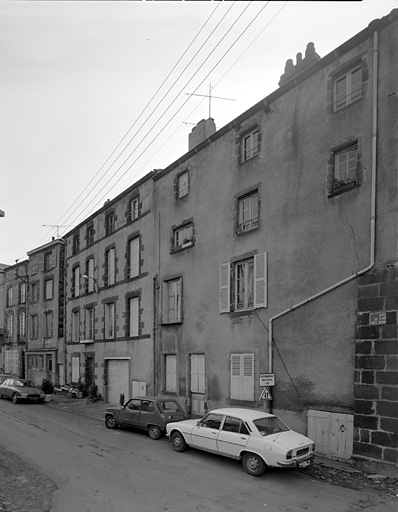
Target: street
<point>96,469</point>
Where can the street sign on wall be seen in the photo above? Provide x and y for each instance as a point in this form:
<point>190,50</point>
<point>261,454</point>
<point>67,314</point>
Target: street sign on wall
<point>265,394</point>
<point>267,379</point>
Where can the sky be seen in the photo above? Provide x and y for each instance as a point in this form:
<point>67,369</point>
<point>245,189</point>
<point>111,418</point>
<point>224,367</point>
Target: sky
<point>95,95</point>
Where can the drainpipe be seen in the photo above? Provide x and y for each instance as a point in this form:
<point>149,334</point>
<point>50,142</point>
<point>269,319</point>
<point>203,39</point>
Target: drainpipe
<point>372,222</point>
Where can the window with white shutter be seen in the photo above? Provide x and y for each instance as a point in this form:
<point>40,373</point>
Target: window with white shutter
<point>171,373</point>
<point>134,305</point>
<point>75,368</point>
<point>197,373</point>
<point>225,275</point>
<point>134,251</point>
<point>242,377</point>
<point>110,265</point>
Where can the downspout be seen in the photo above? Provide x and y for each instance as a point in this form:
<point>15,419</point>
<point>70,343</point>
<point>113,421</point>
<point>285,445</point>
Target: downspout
<point>372,221</point>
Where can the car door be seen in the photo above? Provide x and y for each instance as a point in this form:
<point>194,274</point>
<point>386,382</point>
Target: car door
<point>8,391</point>
<point>233,437</point>
<point>129,416</point>
<point>4,388</point>
<point>205,432</point>
<point>149,415</point>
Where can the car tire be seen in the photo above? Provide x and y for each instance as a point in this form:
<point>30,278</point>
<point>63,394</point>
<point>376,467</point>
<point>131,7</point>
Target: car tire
<point>254,464</point>
<point>110,422</point>
<point>178,442</point>
<point>14,398</point>
<point>154,432</point>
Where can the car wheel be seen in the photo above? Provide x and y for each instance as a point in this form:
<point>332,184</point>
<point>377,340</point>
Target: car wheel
<point>253,464</point>
<point>178,442</point>
<point>14,398</point>
<point>110,422</point>
<point>154,432</point>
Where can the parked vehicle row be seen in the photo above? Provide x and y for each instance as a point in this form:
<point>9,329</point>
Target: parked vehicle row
<point>258,439</point>
<point>20,389</point>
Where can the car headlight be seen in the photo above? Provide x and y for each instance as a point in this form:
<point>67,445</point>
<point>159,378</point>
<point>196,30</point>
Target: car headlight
<point>24,395</point>
<point>313,447</point>
<point>289,454</point>
<point>41,394</point>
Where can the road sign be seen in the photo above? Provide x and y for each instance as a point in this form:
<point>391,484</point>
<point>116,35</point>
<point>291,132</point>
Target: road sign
<point>267,379</point>
<point>265,394</point>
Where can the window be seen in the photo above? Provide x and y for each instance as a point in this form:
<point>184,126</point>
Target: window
<point>35,327</point>
<point>90,234</point>
<point>10,326</point>
<point>235,425</point>
<point>245,282</point>
<point>110,266</point>
<point>90,282</point>
<point>89,323</point>
<point>183,236</point>
<point>182,184</point>
<point>110,223</point>
<point>110,320</point>
<point>248,212</point>
<point>134,257</point>
<point>197,373</point>
<point>48,290</point>
<point>242,377</point>
<point>76,243</point>
<point>22,293</point>
<point>76,282</point>
<point>348,88</point>
<point>134,208</point>
<point>75,369</point>
<point>172,301</point>
<point>75,326</point>
<point>134,312</point>
<point>345,167</point>
<point>22,323</point>
<point>171,373</point>
<point>48,325</point>
<point>47,261</point>
<point>249,145</point>
<point>9,296</point>
<point>212,421</point>
<point>35,292</point>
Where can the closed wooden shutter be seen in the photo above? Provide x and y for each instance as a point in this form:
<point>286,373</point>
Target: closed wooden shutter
<point>134,257</point>
<point>260,280</point>
<point>242,377</point>
<point>197,373</point>
<point>224,303</point>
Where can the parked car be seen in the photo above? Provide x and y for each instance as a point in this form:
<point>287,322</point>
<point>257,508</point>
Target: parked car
<point>3,378</point>
<point>147,413</point>
<point>259,439</point>
<point>20,389</point>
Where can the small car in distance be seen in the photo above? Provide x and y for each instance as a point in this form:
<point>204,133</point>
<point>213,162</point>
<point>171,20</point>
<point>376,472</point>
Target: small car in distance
<point>258,439</point>
<point>146,413</point>
<point>20,389</point>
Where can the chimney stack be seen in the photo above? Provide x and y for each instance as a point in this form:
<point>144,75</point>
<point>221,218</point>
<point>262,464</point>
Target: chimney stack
<point>201,132</point>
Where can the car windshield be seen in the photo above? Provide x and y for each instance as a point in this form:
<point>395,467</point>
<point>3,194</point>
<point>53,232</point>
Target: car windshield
<point>271,425</point>
<point>25,383</point>
<point>170,406</point>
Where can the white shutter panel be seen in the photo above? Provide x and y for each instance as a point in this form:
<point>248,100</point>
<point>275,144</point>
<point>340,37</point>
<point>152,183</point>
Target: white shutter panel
<point>224,303</point>
<point>111,266</point>
<point>53,258</point>
<point>134,315</point>
<point>194,373</point>
<point>201,374</point>
<point>134,257</point>
<point>235,376</point>
<point>260,280</point>
<point>248,377</point>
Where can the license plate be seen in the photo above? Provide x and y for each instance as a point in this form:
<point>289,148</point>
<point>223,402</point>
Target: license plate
<point>304,464</point>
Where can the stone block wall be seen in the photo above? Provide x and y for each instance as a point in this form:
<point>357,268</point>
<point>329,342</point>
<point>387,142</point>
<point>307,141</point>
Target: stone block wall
<point>376,368</point>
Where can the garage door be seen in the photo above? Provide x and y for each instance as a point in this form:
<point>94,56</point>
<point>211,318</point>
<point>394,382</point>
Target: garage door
<point>118,379</point>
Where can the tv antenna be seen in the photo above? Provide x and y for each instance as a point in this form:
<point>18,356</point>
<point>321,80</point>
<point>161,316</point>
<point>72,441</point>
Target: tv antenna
<point>57,226</point>
<point>210,97</point>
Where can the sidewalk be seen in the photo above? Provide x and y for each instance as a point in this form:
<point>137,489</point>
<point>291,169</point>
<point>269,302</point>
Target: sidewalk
<point>80,406</point>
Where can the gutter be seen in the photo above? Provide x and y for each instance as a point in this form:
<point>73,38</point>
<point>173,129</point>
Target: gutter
<point>372,221</point>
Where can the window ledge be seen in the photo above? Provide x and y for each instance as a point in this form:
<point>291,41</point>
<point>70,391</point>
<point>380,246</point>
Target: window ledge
<point>342,188</point>
<point>177,322</point>
<point>242,232</point>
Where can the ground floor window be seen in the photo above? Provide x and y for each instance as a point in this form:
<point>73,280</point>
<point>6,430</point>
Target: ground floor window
<point>171,373</point>
<point>242,377</point>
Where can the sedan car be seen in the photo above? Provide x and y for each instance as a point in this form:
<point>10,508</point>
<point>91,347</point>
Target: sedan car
<point>20,389</point>
<point>147,413</point>
<point>259,439</point>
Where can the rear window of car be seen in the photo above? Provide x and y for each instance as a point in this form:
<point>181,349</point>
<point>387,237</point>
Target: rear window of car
<point>268,426</point>
<point>170,406</point>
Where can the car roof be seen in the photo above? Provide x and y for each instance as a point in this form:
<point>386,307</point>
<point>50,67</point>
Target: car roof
<point>243,413</point>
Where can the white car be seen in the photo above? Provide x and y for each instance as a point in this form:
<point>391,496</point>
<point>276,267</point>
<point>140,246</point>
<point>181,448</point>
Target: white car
<point>257,438</point>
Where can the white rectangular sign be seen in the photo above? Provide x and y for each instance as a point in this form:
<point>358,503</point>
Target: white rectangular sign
<point>267,379</point>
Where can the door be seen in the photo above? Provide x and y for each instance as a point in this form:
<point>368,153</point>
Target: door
<point>233,437</point>
<point>90,379</point>
<point>333,433</point>
<point>204,435</point>
<point>118,379</point>
<point>198,385</point>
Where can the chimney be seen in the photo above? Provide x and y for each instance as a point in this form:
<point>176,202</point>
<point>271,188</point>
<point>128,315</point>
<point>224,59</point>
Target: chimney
<point>201,132</point>
<point>291,70</point>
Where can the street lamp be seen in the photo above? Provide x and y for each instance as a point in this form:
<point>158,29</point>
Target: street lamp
<point>93,278</point>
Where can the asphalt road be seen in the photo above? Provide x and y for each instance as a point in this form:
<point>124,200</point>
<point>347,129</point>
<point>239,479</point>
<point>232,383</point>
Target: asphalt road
<point>96,469</point>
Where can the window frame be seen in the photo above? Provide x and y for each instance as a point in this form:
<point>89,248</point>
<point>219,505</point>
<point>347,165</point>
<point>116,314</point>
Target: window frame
<point>134,320</point>
<point>349,92</point>
<point>48,283</point>
<point>336,185</point>
<point>35,292</point>
<point>110,266</point>
<point>22,324</point>
<point>167,297</point>
<point>134,211</point>
<point>90,233</point>
<point>22,293</point>
<point>109,320</point>
<point>48,324</point>
<point>186,240</point>
<point>249,144</point>
<point>89,319</point>
<point>170,372</point>
<point>134,257</point>
<point>10,296</point>
<point>75,243</point>
<point>35,326</point>
<point>182,192</point>
<point>110,223</point>
<point>254,221</point>
<point>241,383</point>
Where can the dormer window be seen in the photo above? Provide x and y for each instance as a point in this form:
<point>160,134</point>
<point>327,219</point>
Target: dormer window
<point>134,208</point>
<point>249,145</point>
